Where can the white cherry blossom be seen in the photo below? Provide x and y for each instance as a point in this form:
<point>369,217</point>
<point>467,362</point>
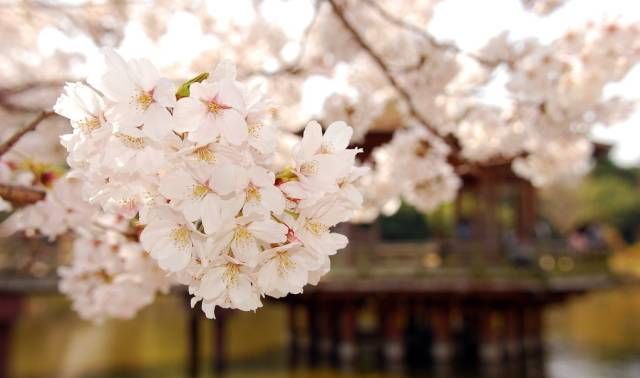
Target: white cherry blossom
<point>212,109</point>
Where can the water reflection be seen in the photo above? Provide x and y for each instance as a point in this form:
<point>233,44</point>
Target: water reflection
<point>597,335</point>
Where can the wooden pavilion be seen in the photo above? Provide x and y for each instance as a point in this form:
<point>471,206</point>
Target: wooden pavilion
<point>478,292</point>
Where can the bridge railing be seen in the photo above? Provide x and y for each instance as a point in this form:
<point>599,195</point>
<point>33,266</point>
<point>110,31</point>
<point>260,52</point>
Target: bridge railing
<point>450,257</point>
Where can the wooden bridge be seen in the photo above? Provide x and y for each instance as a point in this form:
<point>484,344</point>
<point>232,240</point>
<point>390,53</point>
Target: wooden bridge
<point>415,303</point>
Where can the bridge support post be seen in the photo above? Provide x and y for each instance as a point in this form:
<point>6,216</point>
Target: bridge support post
<point>533,328</point>
<point>10,307</point>
<point>514,319</point>
<point>219,359</point>
<point>393,326</point>
<point>193,339</point>
<point>442,349</point>
<point>347,344</point>
<point>490,348</point>
<point>295,339</point>
<point>325,329</point>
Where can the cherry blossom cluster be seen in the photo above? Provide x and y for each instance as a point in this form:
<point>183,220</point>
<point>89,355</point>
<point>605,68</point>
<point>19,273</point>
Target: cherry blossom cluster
<point>62,203</point>
<point>35,161</point>
<point>375,64</point>
<point>108,275</point>
<point>195,168</point>
<point>401,171</point>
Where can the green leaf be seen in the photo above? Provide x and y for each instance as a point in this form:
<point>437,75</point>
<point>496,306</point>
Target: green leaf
<point>183,90</point>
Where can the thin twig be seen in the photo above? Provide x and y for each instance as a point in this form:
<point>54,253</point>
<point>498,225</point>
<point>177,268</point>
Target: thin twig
<point>424,34</point>
<point>6,146</point>
<point>293,67</point>
<point>337,10</point>
<point>39,85</point>
<point>21,195</point>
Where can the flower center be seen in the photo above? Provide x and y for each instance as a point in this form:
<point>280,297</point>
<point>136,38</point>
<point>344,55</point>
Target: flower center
<point>205,154</point>
<point>136,143</point>
<point>89,124</point>
<point>216,107</point>
<point>231,274</point>
<point>253,194</point>
<point>181,237</point>
<point>326,148</point>
<point>284,262</point>
<point>254,129</point>
<point>104,276</point>
<point>242,234</point>
<point>144,100</point>
<point>309,168</point>
<point>315,228</point>
<point>128,204</point>
<point>200,190</point>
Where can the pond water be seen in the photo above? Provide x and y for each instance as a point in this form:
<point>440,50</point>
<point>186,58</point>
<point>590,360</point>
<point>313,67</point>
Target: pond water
<point>592,336</point>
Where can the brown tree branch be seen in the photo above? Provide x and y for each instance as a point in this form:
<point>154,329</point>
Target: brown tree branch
<point>9,143</point>
<point>21,195</point>
<point>293,67</point>
<point>386,70</point>
<point>390,18</point>
<point>33,85</point>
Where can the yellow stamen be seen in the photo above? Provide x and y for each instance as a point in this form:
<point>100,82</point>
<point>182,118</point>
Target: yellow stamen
<point>285,262</point>
<point>326,148</point>
<point>315,228</point>
<point>144,100</point>
<point>89,124</point>
<point>136,143</point>
<point>104,276</point>
<point>205,154</point>
<point>215,107</point>
<point>309,168</point>
<point>253,193</point>
<point>242,234</point>
<point>254,129</point>
<point>231,274</point>
<point>129,204</point>
<point>200,190</point>
<point>181,237</point>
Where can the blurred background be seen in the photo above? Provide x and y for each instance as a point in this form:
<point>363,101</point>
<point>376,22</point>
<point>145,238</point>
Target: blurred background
<point>524,265</point>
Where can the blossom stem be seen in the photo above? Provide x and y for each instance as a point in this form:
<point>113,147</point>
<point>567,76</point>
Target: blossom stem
<point>15,138</point>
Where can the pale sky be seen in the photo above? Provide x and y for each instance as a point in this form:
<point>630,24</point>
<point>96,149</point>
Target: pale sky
<point>470,23</point>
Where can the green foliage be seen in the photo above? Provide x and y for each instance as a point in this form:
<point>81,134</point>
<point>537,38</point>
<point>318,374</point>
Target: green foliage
<point>611,195</point>
<point>406,224</point>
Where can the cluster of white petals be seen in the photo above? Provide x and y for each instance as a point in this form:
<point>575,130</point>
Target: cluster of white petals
<point>553,85</point>
<point>195,167</point>
<point>63,204</point>
<point>227,203</point>
<point>110,277</point>
<point>556,95</point>
<point>413,166</point>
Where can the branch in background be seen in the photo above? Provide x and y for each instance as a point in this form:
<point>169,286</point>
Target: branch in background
<point>424,34</point>
<point>15,138</point>
<point>337,10</point>
<point>8,93</point>
<point>293,68</point>
<point>24,87</point>
<point>21,195</point>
